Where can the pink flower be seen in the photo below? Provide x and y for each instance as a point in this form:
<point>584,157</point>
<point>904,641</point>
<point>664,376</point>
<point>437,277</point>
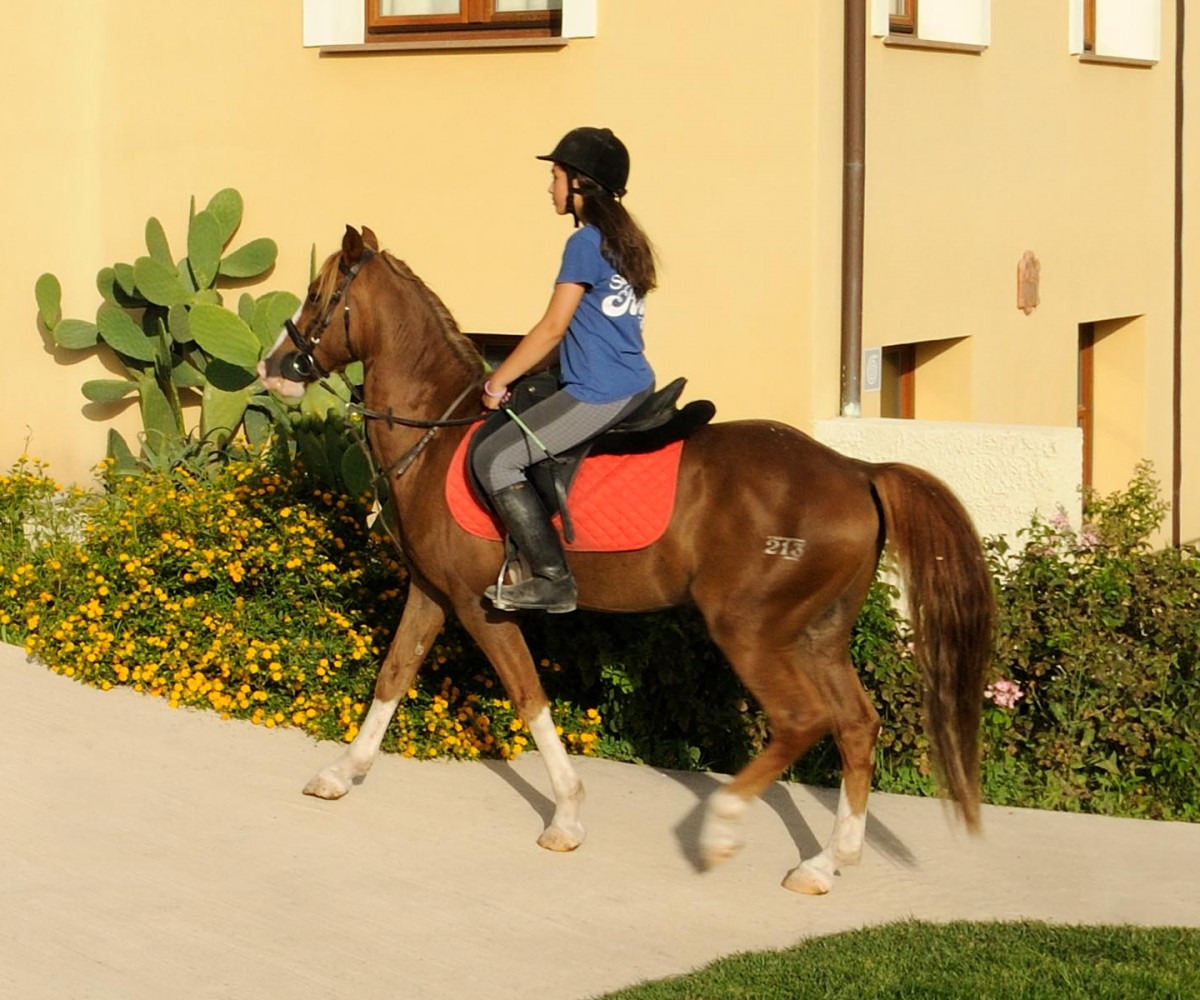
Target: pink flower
<point>1006,694</point>
<point>1089,537</point>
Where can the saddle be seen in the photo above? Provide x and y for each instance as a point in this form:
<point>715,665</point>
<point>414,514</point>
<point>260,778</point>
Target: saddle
<point>656,423</point>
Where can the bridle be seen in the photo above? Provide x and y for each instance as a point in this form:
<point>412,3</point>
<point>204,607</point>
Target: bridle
<point>303,366</point>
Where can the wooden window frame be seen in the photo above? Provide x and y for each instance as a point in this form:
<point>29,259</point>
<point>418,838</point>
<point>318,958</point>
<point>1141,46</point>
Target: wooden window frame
<point>903,358</point>
<point>476,19</point>
<point>904,23</point>
<point>1089,25</point>
<point>1086,398</point>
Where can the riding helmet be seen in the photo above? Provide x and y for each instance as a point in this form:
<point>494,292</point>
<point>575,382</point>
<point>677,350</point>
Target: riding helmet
<point>596,153</point>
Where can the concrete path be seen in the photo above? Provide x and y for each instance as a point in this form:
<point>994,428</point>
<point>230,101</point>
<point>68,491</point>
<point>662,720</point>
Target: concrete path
<point>149,853</point>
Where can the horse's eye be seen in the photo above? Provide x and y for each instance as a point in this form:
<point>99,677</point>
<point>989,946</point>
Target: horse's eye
<point>312,298</point>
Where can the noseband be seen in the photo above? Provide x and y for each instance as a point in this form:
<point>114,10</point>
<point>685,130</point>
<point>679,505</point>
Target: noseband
<point>302,366</point>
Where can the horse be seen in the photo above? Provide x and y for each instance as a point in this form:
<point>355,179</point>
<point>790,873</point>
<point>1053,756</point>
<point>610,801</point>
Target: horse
<point>748,492</point>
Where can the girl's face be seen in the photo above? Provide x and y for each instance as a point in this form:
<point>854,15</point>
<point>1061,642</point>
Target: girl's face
<point>559,190</point>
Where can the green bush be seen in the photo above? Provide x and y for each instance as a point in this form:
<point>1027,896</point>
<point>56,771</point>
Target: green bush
<point>258,591</point>
<point>251,590</point>
<point>1099,632</point>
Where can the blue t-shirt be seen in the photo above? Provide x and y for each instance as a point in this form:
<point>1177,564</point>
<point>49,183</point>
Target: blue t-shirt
<point>601,355</point>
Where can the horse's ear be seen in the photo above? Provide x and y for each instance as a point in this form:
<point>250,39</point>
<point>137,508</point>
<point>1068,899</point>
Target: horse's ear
<point>352,246</point>
<point>370,239</point>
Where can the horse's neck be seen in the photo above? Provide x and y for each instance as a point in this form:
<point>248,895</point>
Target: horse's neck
<point>420,364</point>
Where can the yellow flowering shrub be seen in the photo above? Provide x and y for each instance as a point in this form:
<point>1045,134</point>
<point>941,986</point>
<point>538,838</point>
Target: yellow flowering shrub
<point>248,591</point>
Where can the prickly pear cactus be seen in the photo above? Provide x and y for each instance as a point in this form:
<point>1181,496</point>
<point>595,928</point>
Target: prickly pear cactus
<point>166,322</point>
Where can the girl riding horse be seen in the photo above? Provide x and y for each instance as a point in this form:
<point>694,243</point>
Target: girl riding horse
<point>594,321</point>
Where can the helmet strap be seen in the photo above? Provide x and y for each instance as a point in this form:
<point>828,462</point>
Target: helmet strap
<point>572,191</point>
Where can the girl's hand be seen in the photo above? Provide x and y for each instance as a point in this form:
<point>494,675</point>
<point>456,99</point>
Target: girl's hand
<point>493,396</point>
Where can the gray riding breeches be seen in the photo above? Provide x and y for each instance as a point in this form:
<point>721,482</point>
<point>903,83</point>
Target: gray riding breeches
<point>559,423</point>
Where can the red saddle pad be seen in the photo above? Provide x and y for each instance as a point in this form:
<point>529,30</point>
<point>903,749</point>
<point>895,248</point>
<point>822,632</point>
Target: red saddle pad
<point>618,502</point>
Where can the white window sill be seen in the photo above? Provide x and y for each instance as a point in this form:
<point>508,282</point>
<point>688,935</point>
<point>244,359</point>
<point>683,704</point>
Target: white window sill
<point>913,42</point>
<point>444,45</point>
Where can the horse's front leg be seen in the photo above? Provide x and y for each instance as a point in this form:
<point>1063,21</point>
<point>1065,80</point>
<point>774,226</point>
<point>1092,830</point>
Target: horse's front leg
<point>419,625</point>
<point>505,647</point>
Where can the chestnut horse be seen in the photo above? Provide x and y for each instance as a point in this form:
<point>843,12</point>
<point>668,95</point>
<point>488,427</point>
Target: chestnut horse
<point>774,538</point>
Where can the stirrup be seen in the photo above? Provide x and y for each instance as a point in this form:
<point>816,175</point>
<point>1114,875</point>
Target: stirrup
<point>538,593</point>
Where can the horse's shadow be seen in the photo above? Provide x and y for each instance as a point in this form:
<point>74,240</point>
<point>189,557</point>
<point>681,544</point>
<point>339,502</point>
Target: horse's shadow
<point>687,830</point>
<point>543,805</point>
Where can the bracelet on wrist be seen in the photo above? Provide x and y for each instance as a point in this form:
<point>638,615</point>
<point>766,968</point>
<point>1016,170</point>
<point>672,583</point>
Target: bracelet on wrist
<point>491,393</point>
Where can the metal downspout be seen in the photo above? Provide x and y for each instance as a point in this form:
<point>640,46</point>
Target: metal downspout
<point>1177,331</point>
<point>853,186</point>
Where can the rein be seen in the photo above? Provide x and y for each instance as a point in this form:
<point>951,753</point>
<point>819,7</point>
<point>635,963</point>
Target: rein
<point>388,417</point>
<point>405,461</point>
<point>401,465</point>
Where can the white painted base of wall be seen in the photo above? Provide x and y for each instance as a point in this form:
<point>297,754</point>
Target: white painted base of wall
<point>1001,473</point>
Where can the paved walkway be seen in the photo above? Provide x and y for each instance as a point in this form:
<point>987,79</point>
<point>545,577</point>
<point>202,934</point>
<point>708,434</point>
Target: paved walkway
<point>149,853</point>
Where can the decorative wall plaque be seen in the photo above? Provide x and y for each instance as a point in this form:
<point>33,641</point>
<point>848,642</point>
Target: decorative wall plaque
<point>1029,272</point>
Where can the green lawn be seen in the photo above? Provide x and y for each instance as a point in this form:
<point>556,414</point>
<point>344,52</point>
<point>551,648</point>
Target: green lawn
<point>920,961</point>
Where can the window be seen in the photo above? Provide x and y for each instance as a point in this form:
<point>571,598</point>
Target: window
<point>395,20</point>
<point>347,25</point>
<point>1128,31</point>
<point>943,368</point>
<point>955,24</point>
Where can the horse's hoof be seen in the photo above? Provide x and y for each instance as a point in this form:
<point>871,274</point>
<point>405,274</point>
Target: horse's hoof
<point>713,856</point>
<point>556,838</point>
<point>326,786</point>
<point>808,880</point>
<point>720,835</point>
<point>719,845</point>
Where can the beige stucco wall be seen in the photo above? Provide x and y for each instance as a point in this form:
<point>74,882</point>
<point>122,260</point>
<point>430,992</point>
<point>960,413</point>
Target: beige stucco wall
<point>1002,473</point>
<point>974,159</point>
<point>127,107</point>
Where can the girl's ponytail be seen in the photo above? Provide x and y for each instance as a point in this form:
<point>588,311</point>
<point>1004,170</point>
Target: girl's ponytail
<point>623,243</point>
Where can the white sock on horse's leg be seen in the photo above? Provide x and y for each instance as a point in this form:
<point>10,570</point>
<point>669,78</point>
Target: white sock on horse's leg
<point>721,834</point>
<point>815,876</point>
<point>565,831</point>
<point>334,781</point>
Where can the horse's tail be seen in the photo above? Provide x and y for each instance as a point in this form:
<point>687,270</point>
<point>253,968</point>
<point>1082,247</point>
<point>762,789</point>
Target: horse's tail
<point>952,610</point>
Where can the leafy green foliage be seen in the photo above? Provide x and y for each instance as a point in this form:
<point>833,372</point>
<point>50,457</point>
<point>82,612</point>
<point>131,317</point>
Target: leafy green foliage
<point>1100,632</point>
<point>252,591</point>
<point>1092,706</point>
<point>165,322</point>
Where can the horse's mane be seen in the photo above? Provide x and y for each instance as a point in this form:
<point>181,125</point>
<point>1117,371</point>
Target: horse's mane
<point>329,277</point>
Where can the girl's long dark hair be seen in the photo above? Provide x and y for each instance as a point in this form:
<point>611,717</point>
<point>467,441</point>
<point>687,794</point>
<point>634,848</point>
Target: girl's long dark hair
<point>623,243</point>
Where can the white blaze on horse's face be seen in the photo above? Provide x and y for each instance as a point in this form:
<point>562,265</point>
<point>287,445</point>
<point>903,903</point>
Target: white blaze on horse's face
<point>274,382</point>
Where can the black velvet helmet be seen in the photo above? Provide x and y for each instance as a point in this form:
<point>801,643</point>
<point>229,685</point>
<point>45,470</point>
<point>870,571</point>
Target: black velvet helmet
<point>595,153</point>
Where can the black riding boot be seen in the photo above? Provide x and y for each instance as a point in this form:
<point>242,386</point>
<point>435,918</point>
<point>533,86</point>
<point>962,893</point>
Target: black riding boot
<point>551,588</point>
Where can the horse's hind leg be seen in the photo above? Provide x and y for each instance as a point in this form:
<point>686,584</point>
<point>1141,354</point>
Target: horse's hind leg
<point>806,691</point>
<point>798,717</point>
<point>855,730</point>
<point>419,625</point>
